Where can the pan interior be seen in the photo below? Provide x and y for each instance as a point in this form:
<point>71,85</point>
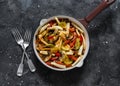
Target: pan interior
<point>74,21</point>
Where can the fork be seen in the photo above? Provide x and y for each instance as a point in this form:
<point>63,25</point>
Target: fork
<point>20,42</point>
<point>26,43</point>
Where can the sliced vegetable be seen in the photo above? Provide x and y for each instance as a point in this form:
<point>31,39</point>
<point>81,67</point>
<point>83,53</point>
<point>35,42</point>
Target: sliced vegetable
<point>67,29</point>
<point>59,43</point>
<point>39,47</point>
<point>44,52</point>
<point>54,58</point>
<point>47,45</point>
<point>66,47</point>
<point>77,32</point>
<point>84,43</point>
<point>80,50</point>
<point>77,44</point>
<point>50,45</point>
<point>51,23</point>
<point>72,57</point>
<point>62,24</point>
<point>59,62</point>
<point>57,27</point>
<point>77,27</point>
<point>74,36</point>
<point>44,27</point>
<point>50,37</point>
<point>53,54</point>
<point>42,34</point>
<point>43,41</point>
<point>67,42</point>
<point>66,60</point>
<point>57,54</point>
<point>62,35</point>
<point>54,49</point>
<point>46,49</point>
<point>58,65</point>
<point>57,20</point>
<point>47,58</point>
<point>72,29</point>
<point>81,38</point>
<point>70,52</point>
<point>71,36</point>
<point>48,63</point>
<point>72,43</point>
<point>79,58</point>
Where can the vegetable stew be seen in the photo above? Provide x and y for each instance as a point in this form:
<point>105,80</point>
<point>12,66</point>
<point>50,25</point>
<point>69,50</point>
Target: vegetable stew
<point>60,43</point>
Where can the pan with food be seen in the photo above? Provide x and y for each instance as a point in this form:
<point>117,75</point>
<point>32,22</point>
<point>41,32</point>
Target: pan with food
<point>61,42</point>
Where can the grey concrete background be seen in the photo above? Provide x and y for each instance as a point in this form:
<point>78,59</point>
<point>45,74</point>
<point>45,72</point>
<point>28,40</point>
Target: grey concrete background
<point>102,65</point>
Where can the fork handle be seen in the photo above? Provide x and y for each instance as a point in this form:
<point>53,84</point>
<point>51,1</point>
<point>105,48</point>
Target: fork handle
<point>20,67</point>
<point>31,66</point>
<point>30,63</point>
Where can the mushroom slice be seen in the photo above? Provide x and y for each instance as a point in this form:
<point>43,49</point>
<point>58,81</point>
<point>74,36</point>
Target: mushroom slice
<point>58,65</point>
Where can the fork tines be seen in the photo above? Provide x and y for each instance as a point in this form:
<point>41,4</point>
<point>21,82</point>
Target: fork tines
<point>27,36</point>
<point>16,34</point>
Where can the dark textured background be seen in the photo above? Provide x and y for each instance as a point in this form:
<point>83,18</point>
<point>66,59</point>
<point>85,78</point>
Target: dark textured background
<point>102,65</point>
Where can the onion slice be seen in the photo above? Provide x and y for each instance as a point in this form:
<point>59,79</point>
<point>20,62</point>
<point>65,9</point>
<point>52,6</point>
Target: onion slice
<point>57,20</point>
<point>80,50</point>
<point>84,43</point>
<point>44,52</point>
<point>58,65</point>
<point>44,27</point>
<point>77,27</point>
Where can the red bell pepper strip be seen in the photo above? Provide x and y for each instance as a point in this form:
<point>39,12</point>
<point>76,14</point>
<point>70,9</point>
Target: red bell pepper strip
<point>72,57</point>
<point>59,62</point>
<point>51,23</point>
<point>72,30</point>
<point>54,58</point>
<point>81,39</point>
<point>57,54</point>
<point>67,42</point>
<point>72,43</point>
<point>48,63</point>
<point>50,37</point>
<point>74,40</point>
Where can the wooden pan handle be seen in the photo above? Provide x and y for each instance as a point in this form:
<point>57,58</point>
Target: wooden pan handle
<point>104,4</point>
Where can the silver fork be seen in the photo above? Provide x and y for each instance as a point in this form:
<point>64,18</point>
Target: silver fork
<point>27,38</point>
<point>20,41</point>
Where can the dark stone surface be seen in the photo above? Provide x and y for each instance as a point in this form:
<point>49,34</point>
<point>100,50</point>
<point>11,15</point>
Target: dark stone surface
<point>102,65</point>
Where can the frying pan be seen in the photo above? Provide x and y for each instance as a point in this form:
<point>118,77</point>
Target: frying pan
<point>83,23</point>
